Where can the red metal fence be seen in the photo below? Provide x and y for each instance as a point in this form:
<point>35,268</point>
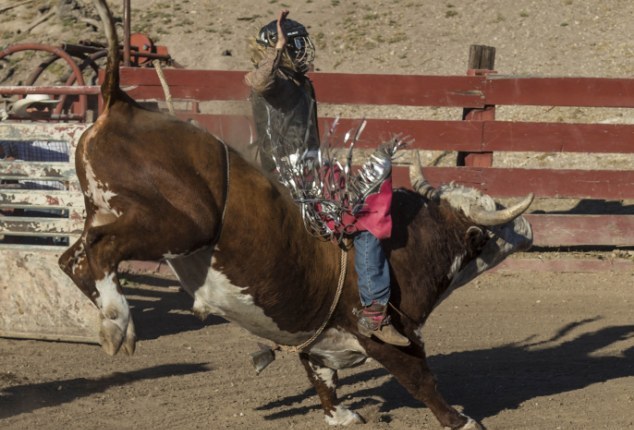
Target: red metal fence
<point>475,134</point>
<point>479,135</point>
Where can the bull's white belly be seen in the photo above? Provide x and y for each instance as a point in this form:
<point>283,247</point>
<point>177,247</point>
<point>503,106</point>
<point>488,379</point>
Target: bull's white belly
<point>214,294</point>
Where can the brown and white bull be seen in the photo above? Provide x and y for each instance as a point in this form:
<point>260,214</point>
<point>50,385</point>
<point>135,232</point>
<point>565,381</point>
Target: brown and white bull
<point>158,188</point>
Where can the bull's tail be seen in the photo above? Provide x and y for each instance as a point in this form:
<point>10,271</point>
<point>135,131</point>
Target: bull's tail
<point>110,89</point>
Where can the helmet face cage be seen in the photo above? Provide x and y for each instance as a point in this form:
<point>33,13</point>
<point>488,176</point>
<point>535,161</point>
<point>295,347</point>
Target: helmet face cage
<point>302,51</point>
<point>299,45</point>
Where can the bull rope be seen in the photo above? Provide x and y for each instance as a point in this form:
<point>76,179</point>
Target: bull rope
<point>342,276</point>
<point>225,191</point>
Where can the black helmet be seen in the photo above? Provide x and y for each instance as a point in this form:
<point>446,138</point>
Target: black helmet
<point>298,45</point>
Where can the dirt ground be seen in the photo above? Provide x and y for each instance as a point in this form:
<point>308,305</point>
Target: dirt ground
<point>519,350</point>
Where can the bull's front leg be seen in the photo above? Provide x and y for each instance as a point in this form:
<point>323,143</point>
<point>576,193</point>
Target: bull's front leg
<point>116,328</point>
<point>75,264</point>
<point>325,380</point>
<point>409,367</point>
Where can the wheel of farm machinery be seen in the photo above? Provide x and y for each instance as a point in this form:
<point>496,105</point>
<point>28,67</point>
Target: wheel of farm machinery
<point>86,61</point>
<point>76,75</point>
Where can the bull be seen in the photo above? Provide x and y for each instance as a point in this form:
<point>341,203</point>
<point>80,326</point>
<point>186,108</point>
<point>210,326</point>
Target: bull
<point>157,188</point>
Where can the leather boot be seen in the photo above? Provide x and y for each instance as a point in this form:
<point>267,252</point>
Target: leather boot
<point>373,321</point>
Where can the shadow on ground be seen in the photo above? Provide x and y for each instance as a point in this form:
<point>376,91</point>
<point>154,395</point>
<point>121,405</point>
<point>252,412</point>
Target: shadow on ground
<point>29,397</point>
<point>488,381</point>
<point>160,307</point>
<point>596,207</point>
<point>485,382</point>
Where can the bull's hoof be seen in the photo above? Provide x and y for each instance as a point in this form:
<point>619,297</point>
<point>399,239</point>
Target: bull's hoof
<point>129,343</point>
<point>471,424</point>
<point>343,416</point>
<point>201,310</point>
<point>110,336</point>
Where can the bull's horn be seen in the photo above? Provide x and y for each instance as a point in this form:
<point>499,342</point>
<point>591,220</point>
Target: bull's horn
<point>502,216</point>
<point>420,184</point>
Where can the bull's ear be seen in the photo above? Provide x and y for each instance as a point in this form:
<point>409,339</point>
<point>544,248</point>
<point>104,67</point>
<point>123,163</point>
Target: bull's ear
<point>474,237</point>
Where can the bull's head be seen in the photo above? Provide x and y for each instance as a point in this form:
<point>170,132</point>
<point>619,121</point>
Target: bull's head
<point>505,230</point>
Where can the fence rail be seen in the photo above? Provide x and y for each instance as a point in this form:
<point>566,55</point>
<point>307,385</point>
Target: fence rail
<point>402,90</point>
<point>477,135</point>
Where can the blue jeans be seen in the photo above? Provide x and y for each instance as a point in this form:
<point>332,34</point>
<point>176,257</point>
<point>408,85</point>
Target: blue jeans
<point>373,271</point>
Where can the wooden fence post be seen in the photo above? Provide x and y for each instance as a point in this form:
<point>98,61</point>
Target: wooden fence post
<point>481,63</point>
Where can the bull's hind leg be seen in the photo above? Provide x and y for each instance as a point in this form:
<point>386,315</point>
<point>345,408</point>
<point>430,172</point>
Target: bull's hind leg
<point>325,380</point>
<point>409,367</point>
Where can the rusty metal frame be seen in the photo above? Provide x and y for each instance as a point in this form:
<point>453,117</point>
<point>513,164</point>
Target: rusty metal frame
<point>41,302</point>
<point>83,99</point>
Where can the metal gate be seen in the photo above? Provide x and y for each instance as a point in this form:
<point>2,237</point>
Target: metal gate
<point>41,213</point>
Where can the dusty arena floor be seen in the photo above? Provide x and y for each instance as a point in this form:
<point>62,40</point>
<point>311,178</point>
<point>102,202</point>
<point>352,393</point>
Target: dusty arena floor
<point>521,350</point>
